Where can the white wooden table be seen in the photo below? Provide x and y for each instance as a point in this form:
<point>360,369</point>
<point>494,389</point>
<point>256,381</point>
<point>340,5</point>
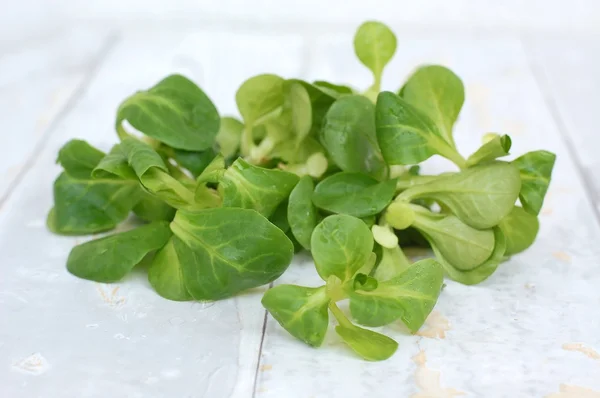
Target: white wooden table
<point>531,330</point>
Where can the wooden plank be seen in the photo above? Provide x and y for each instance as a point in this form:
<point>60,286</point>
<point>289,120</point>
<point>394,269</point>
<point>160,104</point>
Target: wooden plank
<point>93,340</point>
<point>568,72</point>
<point>523,332</point>
<point>36,84</point>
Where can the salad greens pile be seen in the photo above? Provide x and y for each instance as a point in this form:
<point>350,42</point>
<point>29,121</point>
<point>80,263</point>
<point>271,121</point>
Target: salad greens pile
<point>226,202</point>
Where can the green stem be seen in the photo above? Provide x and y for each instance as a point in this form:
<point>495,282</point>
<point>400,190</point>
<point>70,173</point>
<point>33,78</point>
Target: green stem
<point>247,141</point>
<point>121,132</point>
<point>339,315</point>
<point>452,154</point>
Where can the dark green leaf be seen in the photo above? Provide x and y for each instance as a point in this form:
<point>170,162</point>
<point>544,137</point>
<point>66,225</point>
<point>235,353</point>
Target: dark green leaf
<point>110,258</point>
<point>355,194</point>
<point>91,206</point>
<point>520,229</point>
<point>408,136</point>
<point>150,208</point>
<point>251,187</point>
<point>302,214</point>
<point>410,295</point>
<point>194,161</point>
<point>79,158</point>
<point>536,170</point>
<point>348,134</point>
<point>340,246</point>
<point>302,311</point>
<point>226,250</point>
<point>175,111</point>
<point>279,218</point>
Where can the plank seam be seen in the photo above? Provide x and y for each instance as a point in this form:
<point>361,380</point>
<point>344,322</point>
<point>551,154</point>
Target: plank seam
<point>89,74</point>
<point>543,83</point>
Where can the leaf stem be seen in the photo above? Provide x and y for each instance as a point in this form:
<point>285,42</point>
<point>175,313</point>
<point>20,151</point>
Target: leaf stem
<point>247,142</point>
<point>339,315</point>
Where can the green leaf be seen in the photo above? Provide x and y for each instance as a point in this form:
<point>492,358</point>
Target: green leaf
<point>536,170</point>
<point>354,194</point>
<point>150,208</point>
<point>223,251</point>
<point>480,196</point>
<point>175,111</point>
<point>340,246</point>
<point>194,161</point>
<point>332,89</point>
<point>348,134</point>
<point>462,246</point>
<point>298,103</point>
<point>520,229</point>
<point>166,274</point>
<point>260,96</point>
<point>411,295</point>
<point>302,214</point>
<point>408,136</point>
<point>110,258</point>
<point>115,166</point>
<point>302,311</point>
<point>321,97</point>
<point>392,262</point>
<point>374,45</point>
<point>153,174</point>
<point>252,187</point>
<point>92,205</point>
<point>481,273</point>
<point>497,147</point>
<point>258,99</point>
<point>79,158</point>
<point>229,136</point>
<point>438,93</point>
<point>365,282</point>
<point>279,218</point>
<point>370,345</point>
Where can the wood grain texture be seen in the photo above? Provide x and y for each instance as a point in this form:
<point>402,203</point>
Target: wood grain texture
<point>66,337</point>
<point>568,72</point>
<point>37,82</point>
<point>512,326</point>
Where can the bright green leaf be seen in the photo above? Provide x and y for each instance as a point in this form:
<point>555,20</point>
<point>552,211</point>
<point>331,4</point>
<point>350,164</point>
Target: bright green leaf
<point>251,187</point>
<point>480,196</point>
<point>438,93</point>
<point>302,311</point>
<point>497,147</point>
<point>229,136</point>
<point>461,245</point>
<point>536,170</point>
<point>340,246</point>
<point>520,229</point>
<point>410,295</point>
<point>374,45</point>
<point>370,345</point>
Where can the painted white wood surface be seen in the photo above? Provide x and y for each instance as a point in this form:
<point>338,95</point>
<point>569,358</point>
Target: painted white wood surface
<point>569,71</point>
<point>512,335</point>
<point>37,81</point>
<point>532,330</point>
<point>65,337</point>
